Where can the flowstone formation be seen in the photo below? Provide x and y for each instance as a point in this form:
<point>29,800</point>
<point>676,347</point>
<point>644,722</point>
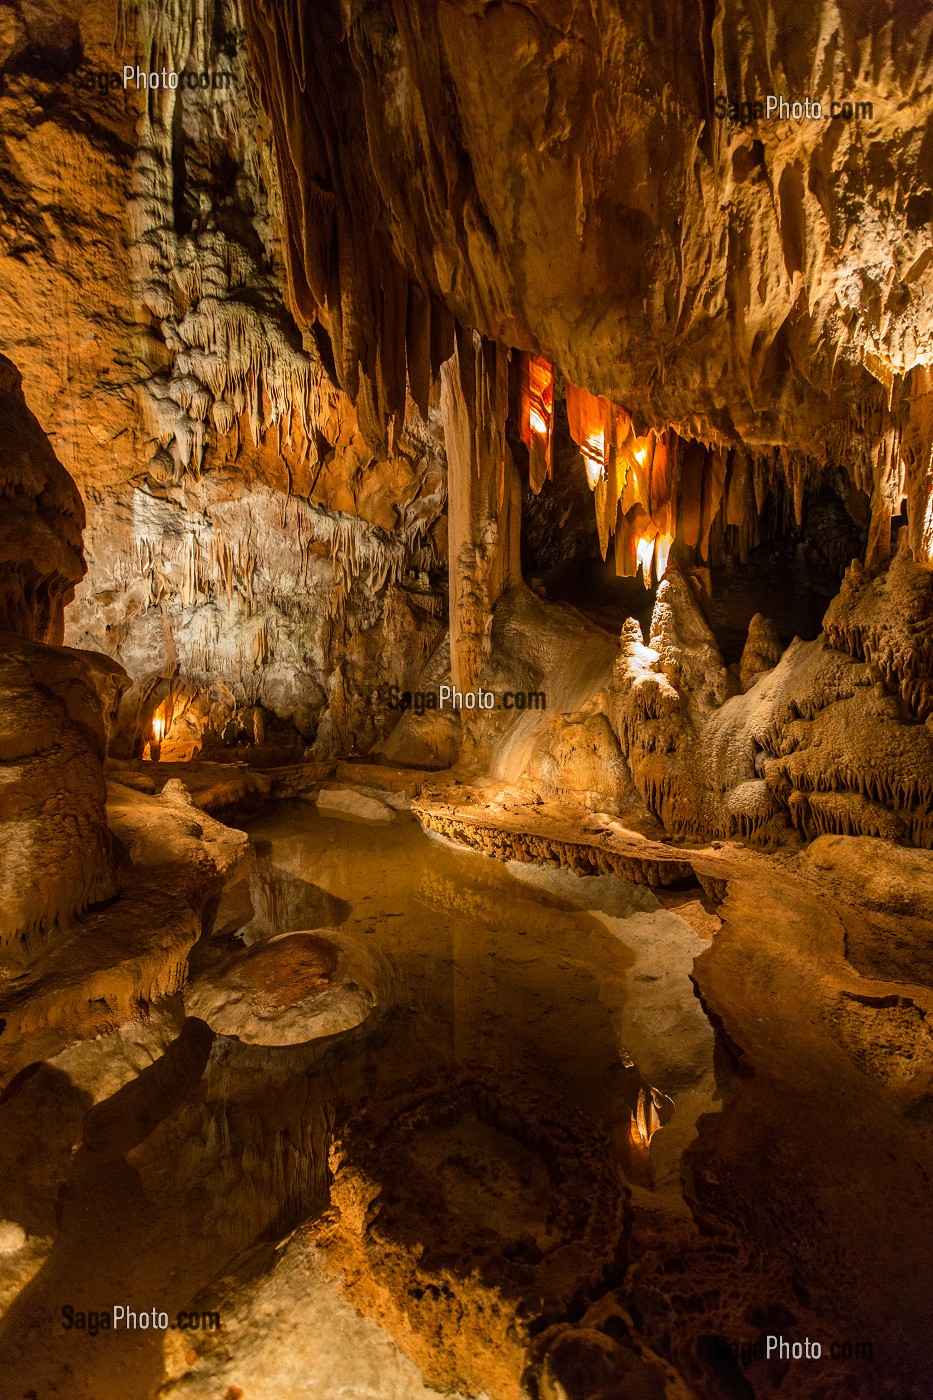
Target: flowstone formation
<point>830,737</point>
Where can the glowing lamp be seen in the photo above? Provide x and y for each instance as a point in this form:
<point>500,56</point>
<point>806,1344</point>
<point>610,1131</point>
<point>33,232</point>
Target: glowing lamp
<point>158,734</point>
<point>537,424</point>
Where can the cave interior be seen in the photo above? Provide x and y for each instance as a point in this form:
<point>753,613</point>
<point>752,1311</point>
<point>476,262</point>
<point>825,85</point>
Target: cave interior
<point>466,700</point>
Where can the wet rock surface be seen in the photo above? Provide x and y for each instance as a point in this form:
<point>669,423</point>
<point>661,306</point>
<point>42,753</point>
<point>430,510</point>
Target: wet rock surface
<point>550,1202</point>
<point>467,1214</point>
<point>296,987</point>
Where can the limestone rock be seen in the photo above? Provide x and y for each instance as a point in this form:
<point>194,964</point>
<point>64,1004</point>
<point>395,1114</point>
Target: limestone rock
<point>294,988</point>
<point>12,1237</point>
<point>351,802</point>
<point>579,756</point>
<point>518,1204</point>
<point>296,1328</point>
<point>54,845</point>
<point>887,622</point>
<point>812,744</point>
<point>762,650</point>
<point>41,519</point>
<point>443,185</point>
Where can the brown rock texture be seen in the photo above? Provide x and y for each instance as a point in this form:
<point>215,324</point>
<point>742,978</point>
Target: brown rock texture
<point>55,848</point>
<point>826,740</point>
<point>469,1213</point>
<point>57,706</point>
<point>296,988</point>
<point>41,519</point>
<point>237,520</point>
<point>578,184</point>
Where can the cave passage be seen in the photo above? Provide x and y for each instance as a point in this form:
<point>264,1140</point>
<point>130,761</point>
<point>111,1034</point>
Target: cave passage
<point>466,700</point>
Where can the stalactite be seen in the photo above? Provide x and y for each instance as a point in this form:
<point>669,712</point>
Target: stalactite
<point>229,357</point>
<point>692,465</point>
<point>536,410</point>
<point>595,426</point>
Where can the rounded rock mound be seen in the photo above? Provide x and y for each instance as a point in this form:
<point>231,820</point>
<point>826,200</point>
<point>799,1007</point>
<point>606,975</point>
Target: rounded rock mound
<point>294,988</point>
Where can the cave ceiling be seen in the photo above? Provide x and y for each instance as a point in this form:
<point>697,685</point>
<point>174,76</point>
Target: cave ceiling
<point>568,180</point>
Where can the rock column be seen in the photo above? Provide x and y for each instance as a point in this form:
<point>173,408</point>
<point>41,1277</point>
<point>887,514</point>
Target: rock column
<point>484,498</point>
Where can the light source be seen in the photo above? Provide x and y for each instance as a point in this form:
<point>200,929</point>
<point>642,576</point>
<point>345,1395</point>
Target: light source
<point>536,394</point>
<point>158,734</point>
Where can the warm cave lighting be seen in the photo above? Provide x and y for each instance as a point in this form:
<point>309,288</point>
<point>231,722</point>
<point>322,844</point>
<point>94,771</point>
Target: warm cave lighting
<point>537,410</point>
<point>641,454</point>
<point>537,421</point>
<point>158,734</point>
<point>644,551</point>
<point>539,387</point>
<point>594,458</point>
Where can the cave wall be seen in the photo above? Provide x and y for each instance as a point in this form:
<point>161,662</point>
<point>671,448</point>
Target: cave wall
<point>251,564</point>
<point>57,706</point>
<point>383,236</point>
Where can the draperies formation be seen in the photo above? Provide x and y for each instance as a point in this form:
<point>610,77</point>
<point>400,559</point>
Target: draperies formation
<point>647,490</point>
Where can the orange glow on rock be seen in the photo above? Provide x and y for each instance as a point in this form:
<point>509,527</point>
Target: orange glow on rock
<point>536,412</point>
<point>594,458</point>
<point>537,423</point>
<point>644,552</point>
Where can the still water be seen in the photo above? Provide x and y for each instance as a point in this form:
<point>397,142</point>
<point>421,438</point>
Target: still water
<point>145,1163</point>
